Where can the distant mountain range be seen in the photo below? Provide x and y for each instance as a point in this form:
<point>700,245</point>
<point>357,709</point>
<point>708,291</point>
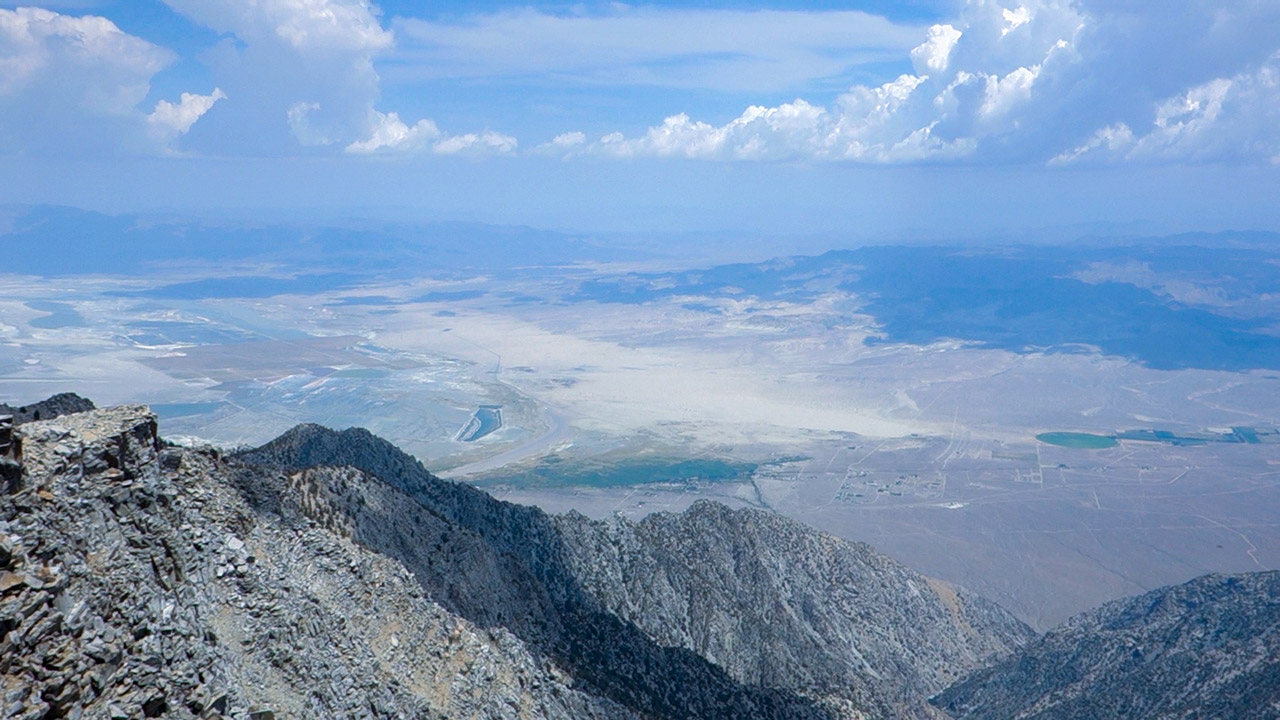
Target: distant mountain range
<point>1201,301</point>
<point>327,574</point>
<point>51,240</point>
<point>1192,301</point>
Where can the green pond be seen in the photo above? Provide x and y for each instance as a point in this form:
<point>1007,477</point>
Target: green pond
<point>176,410</point>
<point>362,373</point>
<point>555,472</point>
<point>1083,441</point>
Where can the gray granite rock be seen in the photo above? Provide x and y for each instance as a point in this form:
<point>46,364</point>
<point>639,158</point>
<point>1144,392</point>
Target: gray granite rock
<point>1209,648</point>
<point>742,606</point>
<point>132,588</point>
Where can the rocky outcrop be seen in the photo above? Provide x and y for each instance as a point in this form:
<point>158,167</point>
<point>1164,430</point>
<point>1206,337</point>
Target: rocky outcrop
<point>119,443</point>
<point>1204,649</point>
<point>140,580</point>
<point>663,614</point>
<point>54,407</point>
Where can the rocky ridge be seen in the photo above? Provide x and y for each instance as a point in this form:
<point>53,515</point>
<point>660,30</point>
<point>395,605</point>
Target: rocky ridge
<point>49,409</point>
<point>1209,648</point>
<point>773,603</point>
<point>328,574</point>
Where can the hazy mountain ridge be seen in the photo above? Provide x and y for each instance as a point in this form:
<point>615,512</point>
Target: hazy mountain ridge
<point>57,241</point>
<point>1165,302</point>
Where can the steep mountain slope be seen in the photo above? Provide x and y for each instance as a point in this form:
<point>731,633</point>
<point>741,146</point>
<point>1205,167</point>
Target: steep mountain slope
<point>598,652</point>
<point>775,604</point>
<point>1204,649</point>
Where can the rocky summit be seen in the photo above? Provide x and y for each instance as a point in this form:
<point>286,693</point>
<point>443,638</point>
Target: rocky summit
<point>329,575</point>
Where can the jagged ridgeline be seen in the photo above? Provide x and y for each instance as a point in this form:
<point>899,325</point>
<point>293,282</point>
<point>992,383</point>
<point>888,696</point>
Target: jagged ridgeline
<point>329,575</point>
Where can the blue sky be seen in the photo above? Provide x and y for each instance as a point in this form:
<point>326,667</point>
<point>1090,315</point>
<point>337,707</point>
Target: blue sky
<point>933,118</point>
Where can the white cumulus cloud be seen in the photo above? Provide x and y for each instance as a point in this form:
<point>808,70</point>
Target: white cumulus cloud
<point>967,76</point>
<point>74,84</point>
<point>482,143</point>
<point>569,139</point>
<point>390,134</point>
<point>566,144</point>
<point>1015,18</point>
<point>1236,118</point>
<point>109,69</point>
<point>172,119</point>
<point>305,68</point>
<point>935,53</point>
<point>300,66</point>
<point>310,26</point>
<point>1058,81</point>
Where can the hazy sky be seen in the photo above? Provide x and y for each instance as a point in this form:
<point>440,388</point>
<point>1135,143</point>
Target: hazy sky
<point>933,116</point>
